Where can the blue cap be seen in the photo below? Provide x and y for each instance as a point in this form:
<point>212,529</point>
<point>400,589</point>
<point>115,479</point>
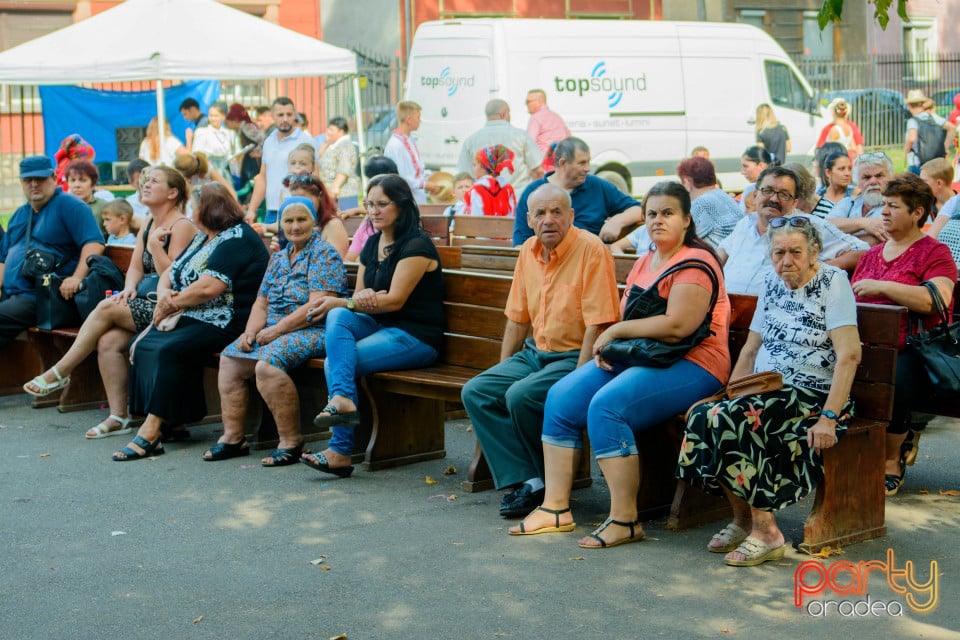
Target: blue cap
<point>306,202</point>
<point>36,167</point>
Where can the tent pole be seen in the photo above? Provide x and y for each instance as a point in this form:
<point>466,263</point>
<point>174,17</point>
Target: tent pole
<point>161,118</point>
<point>360,132</point>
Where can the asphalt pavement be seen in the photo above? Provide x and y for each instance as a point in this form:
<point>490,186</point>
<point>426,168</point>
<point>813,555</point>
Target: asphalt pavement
<point>175,547</point>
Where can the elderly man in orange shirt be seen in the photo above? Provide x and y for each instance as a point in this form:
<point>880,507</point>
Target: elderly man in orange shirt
<point>564,287</point>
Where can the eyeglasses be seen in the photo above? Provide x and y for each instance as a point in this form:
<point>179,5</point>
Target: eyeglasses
<point>793,221</point>
<point>383,204</point>
<point>300,180</point>
<point>767,192</point>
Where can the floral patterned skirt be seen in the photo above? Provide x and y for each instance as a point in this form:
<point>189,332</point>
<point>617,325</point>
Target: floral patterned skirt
<point>757,446</point>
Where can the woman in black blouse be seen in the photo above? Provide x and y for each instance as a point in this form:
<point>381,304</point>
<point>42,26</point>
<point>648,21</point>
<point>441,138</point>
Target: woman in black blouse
<point>213,284</point>
<point>393,321</point>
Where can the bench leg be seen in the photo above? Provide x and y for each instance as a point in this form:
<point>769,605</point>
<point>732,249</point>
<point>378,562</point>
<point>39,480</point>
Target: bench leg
<point>405,429</point>
<point>849,506</point>
<point>21,363</point>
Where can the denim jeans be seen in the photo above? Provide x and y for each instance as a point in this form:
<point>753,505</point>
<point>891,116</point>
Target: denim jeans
<point>357,345</point>
<point>615,405</point>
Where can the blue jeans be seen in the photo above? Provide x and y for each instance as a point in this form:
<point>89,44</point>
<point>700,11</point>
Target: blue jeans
<point>616,405</point>
<point>358,345</point>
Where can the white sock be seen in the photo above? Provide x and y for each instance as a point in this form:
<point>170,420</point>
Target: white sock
<point>535,484</point>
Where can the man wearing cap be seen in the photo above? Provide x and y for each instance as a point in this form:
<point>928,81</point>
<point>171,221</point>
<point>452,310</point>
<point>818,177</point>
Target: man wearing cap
<point>59,224</point>
<point>273,166</point>
<point>915,143</point>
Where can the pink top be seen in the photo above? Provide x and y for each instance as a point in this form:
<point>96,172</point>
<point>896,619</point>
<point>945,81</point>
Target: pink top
<point>546,127</point>
<point>363,233</point>
<point>923,260</point>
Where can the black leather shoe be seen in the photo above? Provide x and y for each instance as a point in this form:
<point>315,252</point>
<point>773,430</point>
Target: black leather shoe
<point>521,501</point>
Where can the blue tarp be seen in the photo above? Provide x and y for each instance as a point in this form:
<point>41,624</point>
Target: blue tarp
<point>96,115</point>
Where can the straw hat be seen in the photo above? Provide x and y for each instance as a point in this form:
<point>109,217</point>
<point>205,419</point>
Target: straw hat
<point>915,96</point>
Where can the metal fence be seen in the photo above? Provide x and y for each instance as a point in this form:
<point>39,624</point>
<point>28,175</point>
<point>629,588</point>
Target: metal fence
<point>876,88</point>
<point>319,99</point>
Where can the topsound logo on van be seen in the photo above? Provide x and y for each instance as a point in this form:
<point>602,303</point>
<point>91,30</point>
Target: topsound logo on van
<point>614,86</point>
<point>445,79</point>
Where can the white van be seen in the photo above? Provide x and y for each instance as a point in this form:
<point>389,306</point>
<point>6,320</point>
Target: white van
<point>641,93</point>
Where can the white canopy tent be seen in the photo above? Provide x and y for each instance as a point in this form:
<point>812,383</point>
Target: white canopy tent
<point>175,40</point>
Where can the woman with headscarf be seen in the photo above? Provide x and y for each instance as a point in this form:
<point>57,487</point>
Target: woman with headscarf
<point>491,194</point>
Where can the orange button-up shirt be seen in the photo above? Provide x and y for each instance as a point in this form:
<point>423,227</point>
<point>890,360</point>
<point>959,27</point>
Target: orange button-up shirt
<point>576,289</point>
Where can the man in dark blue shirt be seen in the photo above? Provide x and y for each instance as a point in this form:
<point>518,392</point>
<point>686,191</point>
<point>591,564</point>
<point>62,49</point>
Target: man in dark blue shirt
<point>598,206</point>
<point>60,224</point>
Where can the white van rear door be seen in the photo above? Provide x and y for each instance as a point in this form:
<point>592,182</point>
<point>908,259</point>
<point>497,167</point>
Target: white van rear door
<point>452,83</point>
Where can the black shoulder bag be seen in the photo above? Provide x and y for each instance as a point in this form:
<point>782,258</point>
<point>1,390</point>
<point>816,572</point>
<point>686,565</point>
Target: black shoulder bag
<point>646,303</point>
<point>939,347</point>
<point>53,311</point>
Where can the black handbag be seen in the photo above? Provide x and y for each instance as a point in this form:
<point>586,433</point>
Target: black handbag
<point>148,285</point>
<point>102,276</point>
<point>646,303</point>
<point>37,263</point>
<point>53,311</point>
<point>939,347</point>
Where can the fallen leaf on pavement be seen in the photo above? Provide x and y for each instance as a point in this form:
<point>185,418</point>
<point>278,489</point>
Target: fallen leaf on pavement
<point>118,533</point>
<point>197,619</point>
<point>828,551</point>
<point>923,492</point>
<point>429,480</point>
<point>660,595</point>
<point>949,492</point>
<point>317,561</point>
<point>577,558</point>
<point>449,471</point>
<point>325,567</point>
<point>44,455</point>
<point>342,636</point>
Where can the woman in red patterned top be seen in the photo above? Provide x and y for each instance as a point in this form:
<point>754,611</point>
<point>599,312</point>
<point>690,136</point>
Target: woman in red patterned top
<point>893,273</point>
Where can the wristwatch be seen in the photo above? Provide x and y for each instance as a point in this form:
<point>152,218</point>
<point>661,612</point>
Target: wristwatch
<point>353,305</point>
<point>830,415</point>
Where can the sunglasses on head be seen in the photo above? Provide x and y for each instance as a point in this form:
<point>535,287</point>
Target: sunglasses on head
<point>793,221</point>
<point>305,179</point>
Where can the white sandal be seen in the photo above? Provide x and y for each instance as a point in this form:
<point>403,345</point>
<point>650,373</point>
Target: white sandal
<point>46,388</point>
<point>102,430</point>
<point>731,536</point>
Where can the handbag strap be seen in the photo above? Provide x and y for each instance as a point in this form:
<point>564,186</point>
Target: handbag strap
<point>938,304</point>
<point>693,263</point>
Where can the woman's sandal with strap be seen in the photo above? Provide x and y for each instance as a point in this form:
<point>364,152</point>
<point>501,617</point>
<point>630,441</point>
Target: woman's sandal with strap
<point>731,536</point>
<point>556,528</point>
<point>283,457</point>
<point>633,537</point>
<point>226,450</point>
<point>46,388</point>
<point>336,419</point>
<point>319,462</point>
<point>103,430</point>
<point>154,448</point>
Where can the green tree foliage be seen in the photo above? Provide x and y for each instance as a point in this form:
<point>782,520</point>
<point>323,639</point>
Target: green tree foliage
<point>831,10</point>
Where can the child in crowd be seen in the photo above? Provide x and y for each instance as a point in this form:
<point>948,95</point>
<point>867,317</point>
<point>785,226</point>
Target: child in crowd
<point>491,194</point>
<point>117,215</point>
<point>300,162</point>
<point>462,182</point>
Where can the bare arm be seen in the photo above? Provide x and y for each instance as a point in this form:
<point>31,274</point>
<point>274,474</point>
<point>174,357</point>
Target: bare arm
<point>216,176</point>
<point>916,298</point>
<point>847,260</point>
<point>723,256</point>
<point>951,130</point>
<point>748,356</point>
<point>291,322</point>
<point>514,333</point>
<point>846,344</point>
<point>614,226</point>
<point>407,275</point>
<point>71,284</point>
<point>937,226</point>
<point>589,338</point>
<point>336,234</point>
<point>259,192</point>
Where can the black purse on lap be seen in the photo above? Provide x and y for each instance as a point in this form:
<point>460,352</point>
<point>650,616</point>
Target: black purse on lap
<point>646,303</point>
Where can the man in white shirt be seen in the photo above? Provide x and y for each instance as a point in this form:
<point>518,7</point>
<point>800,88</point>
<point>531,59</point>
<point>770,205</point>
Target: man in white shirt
<point>498,130</point>
<point>273,168</point>
<point>402,149</point>
<point>745,253</point>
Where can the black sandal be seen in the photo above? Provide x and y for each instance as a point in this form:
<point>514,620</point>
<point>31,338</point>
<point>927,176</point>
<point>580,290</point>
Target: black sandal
<point>154,448</point>
<point>283,457</point>
<point>336,419</point>
<point>604,544</point>
<point>892,482</point>
<point>321,464</point>
<point>225,451</point>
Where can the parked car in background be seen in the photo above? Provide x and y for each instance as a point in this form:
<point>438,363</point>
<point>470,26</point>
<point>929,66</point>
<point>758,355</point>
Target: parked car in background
<point>944,101</point>
<point>881,114</point>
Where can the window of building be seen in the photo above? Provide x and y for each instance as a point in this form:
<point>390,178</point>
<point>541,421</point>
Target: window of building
<point>752,16</point>
<point>920,48</point>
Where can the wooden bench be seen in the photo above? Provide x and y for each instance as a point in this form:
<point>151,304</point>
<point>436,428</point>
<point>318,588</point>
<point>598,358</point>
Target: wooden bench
<point>849,503</point>
<point>435,226</point>
<point>494,231</point>
<point>502,260</point>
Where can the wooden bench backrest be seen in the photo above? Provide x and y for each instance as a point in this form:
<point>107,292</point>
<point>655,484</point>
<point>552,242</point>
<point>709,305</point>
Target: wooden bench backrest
<point>120,255</point>
<point>482,230</point>
<point>437,227</point>
<point>474,304</point>
<point>873,385</point>
<point>502,260</point>
<point>433,209</point>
